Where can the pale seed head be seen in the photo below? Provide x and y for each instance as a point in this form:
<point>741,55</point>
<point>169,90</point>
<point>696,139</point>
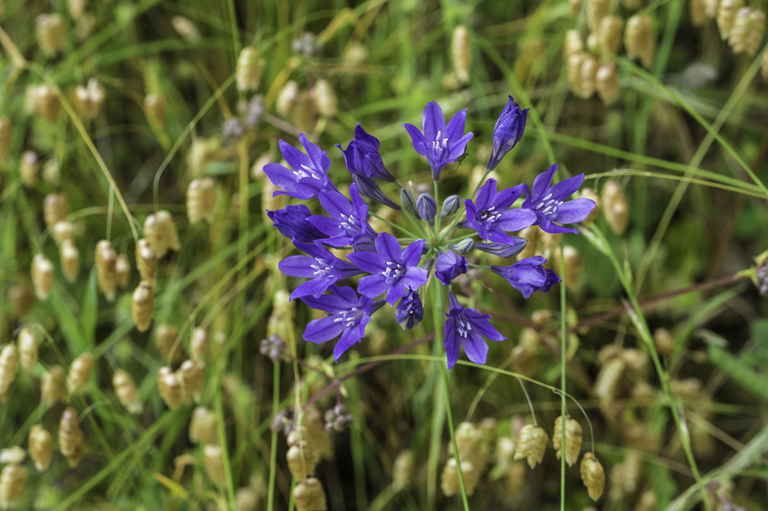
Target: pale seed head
<point>80,373</point>
<point>53,386</point>
<point>27,346</point>
<point>106,269</point>
<point>726,15</point>
<point>201,200</point>
<point>461,53</point>
<point>607,84</point>
<point>71,437</point>
<point>325,98</point>
<point>169,387</point>
<point>593,475</point>
<point>42,276</point>
<point>573,437</point>
<point>310,496</point>
<point>69,257</point>
<point>639,39</point>
<point>40,447</point>
<point>249,69</point>
<point>51,33</point>
<point>13,483</point>
<point>127,392</point>
<point>203,427</point>
<point>143,306</point>
<point>531,444</point>
<point>609,33</point>
<point>29,166</point>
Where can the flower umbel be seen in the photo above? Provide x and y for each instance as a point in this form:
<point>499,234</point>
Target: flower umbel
<point>467,327</point>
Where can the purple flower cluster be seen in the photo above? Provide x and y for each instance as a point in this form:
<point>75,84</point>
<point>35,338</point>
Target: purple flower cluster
<point>393,270</point>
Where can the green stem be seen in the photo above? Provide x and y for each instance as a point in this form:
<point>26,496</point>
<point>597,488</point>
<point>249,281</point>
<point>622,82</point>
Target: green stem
<point>273,445</point>
<point>394,225</point>
<point>563,351</point>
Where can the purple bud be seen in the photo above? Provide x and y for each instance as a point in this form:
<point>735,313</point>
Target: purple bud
<point>507,132</point>
<point>369,188</point>
<point>409,311</point>
<point>450,206</point>
<point>449,266</point>
<point>504,249</point>
<point>427,206</point>
<point>463,247</point>
<point>409,202</point>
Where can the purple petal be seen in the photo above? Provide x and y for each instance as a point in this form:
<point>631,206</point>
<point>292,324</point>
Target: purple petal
<point>451,343</point>
<point>293,156</point>
<point>419,143</point>
<point>574,211</point>
<point>350,337</point>
<point>455,128</point>
<point>567,187</point>
<point>516,219</point>
<point>297,266</point>
<point>505,198</point>
<point>486,329</point>
<point>542,182</point>
<point>369,262</point>
<point>280,176</point>
<point>433,121</point>
<point>314,287</point>
<point>334,203</point>
<point>476,348</point>
<point>389,247</point>
<point>372,286</point>
<point>412,253</point>
<point>323,329</point>
<point>485,195</point>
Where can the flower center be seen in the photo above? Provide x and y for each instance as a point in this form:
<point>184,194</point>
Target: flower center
<point>393,272</point>
<point>322,268</point>
<point>548,206</point>
<point>350,317</point>
<point>349,223</point>
<point>307,171</point>
<point>439,145</point>
<point>488,216</point>
<point>463,327</point>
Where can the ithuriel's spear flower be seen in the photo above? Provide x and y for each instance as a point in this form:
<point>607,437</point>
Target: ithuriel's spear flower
<point>409,312</point>
<point>308,175</point>
<point>527,275</point>
<point>491,216</point>
<point>362,156</point>
<point>448,266</point>
<point>507,132</point>
<point>292,223</point>
<point>467,327</point>
<point>321,266</point>
<point>348,223</point>
<point>547,202</point>
<point>392,270</point>
<point>349,315</point>
<point>440,144</point>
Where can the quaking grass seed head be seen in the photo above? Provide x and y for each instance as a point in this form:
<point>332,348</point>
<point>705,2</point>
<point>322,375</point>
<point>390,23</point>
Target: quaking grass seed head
<point>309,495</point>
<point>13,454</point>
<point>201,200</point>
<point>213,462</point>
<point>88,99</point>
<point>42,276</point>
<point>154,108</point>
<point>80,373</point>
<point>531,444</point>
<point>593,476</point>
<point>325,99</point>
<point>203,427</point>
<point>44,101</point>
<point>62,231</point>
<point>191,374</point>
<point>53,386</point>
<point>288,98</point>
<point>609,33</point>
<point>27,346</point>
<point>302,460</point>
<point>55,209</point>
<point>69,258</point>
<point>169,387</point>
<point>607,85</point>
<point>403,469</point>
<point>747,30</point>
<point>51,33</point>
<point>639,39</point>
<point>29,168</point>
<point>573,437</point>
<point>106,269</point>
<point>127,392</point>
<point>698,12</point>
<point>9,367</point>
<point>143,306</point>
<point>123,270</point>
<point>160,232</point>
<point>40,447</point>
<point>165,342</point>
<point>726,15</point>
<point>13,483</point>
<point>250,64</point>
<point>146,261</point>
<point>461,53</point>
<point>449,479</point>
<point>71,440</point>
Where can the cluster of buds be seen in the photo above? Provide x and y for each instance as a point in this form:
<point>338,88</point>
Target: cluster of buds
<point>71,440</point>
<point>473,451</point>
<point>273,347</point>
<point>282,422</point>
<point>337,419</point>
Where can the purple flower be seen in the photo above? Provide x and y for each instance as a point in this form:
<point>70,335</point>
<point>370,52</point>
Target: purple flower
<point>547,202</point>
<point>368,187</point>
<point>504,249</point>
<point>427,207</point>
<point>321,266</point>
<point>391,269</point>
<point>441,144</point>
<point>292,223</point>
<point>467,327</point>
<point>491,216</point>
<point>348,223</point>
<point>409,312</point>
<point>449,266</point>
<point>308,175</point>
<point>507,132</point>
<point>527,275</point>
<point>349,315</point>
<point>362,156</point>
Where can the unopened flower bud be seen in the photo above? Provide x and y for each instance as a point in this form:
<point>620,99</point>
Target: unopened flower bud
<point>169,387</point>
<point>40,447</point>
<point>325,98</point>
<point>185,27</point>
<point>53,386</point>
<point>42,276</point>
<point>127,392</point>
<point>337,418</point>
<point>106,269</point>
<point>71,437</point>
<point>408,201</point>
<point>450,206</point>
<point>596,11</point>
<point>593,475</point>
<point>427,207</point>
<point>306,44</point>
<point>51,33</point>
<point>287,99</point>
<point>309,496</point>
<point>6,137</point>
<point>203,427</point>
<point>607,83</point>
<point>507,131</point>
<point>29,166</point>
<point>462,247</point>
<point>80,373</point>
<point>747,31</point>
<point>213,462</point>
<point>531,444</point>
<point>9,367</point>
<point>249,66</point>
<point>609,33</point>
<point>573,434</point>
<point>639,39</point>
<point>13,483</point>
<point>154,107</point>
<point>27,346</point>
<point>461,52</point>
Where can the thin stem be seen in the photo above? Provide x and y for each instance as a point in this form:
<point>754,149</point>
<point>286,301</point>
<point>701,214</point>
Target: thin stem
<point>563,362</point>
<point>273,444</point>
<point>448,415</point>
<point>394,225</point>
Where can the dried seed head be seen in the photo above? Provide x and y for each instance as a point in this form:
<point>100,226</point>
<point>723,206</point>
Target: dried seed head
<point>88,100</point>
<point>21,299</point>
<point>461,52</point>
<point>302,460</point>
<point>572,439</point>
<point>9,366</point>
<point>13,483</point>
<point>617,214</point>
<point>609,33</point>
<point>596,11</point>
<point>6,137</point>
<point>590,193</point>
<point>607,84</point>
<point>143,306</point>
<point>127,393</point>
<point>191,374</point>
<point>246,499</point>
<point>573,71</point>
<point>355,54</point>
<point>572,264</point>
<point>161,233</point>
<point>325,98</point>
<point>40,447</point>
<point>51,33</point>
<point>625,476</point>
<point>588,76</point>
<point>63,231</point>
<point>214,464</point>
<point>122,270</point>
<point>27,346</point>
<point>146,261</point>
<point>13,455</point>
<point>593,475</point>
<point>664,341</point>
<point>698,12</point>
<point>608,382</point>
<point>337,418</point>
<point>747,31</point>
<point>185,27</point>
<point>531,444</point>
<point>647,501</point>
<point>203,428</point>
<point>203,151</point>
<point>273,347</point>
<point>69,257</point>
<point>71,437</point>
<point>154,108</point>
<point>726,15</point>
<point>504,454</point>
<point>574,6</point>
<point>52,172</point>
<point>53,386</point>
<point>200,345</point>
<point>710,8</point>
<point>76,8</point>
<point>165,341</point>
<point>287,99</point>
<point>635,361</point>
<point>403,469</point>
<point>43,100</point>
<point>42,276</point>
<point>80,373</point>
<point>106,269</point>
<point>309,496</point>
<point>29,165</point>
<point>541,317</point>
<point>469,440</point>
<point>169,387</point>
<point>249,67</point>
<point>573,44</point>
<point>689,389</point>
<point>639,39</point>
<point>449,479</point>
<point>201,199</point>
<point>85,26</point>
<point>316,434</point>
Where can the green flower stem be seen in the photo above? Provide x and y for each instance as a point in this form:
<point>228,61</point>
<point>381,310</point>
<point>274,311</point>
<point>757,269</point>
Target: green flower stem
<point>563,351</point>
<point>394,225</point>
<point>273,444</point>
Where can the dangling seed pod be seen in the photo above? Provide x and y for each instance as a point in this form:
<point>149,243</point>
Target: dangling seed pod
<point>154,108</point>
<point>126,391</point>
<point>325,98</point>
<point>664,341</point>
<point>106,269</point>
<point>461,52</point>
<point>165,341</point>
<point>310,496</point>
<point>6,137</point>
<point>191,374</point>
<point>201,200</point>
<point>45,102</point>
<point>573,44</point>
<point>185,27</point>
<point>747,31</point>
<point>199,346</point>
<point>80,373</point>
<point>449,478</point>
<point>617,214</point>
<point>726,14</point>
<point>51,34</point>
<point>40,447</point>
<point>203,427</point>
<point>53,386</point>
<point>88,100</point>
<point>143,306</point>
<point>214,464</point>
<point>69,257</point>
<point>596,11</point>
<point>146,261</point>
<point>13,483</point>
<point>29,167</point>
<point>573,71</point>
<point>609,33</point>
<point>710,8</point>
<point>13,455</point>
<point>287,99</point>
<point>27,349</point>
<point>573,435</point>
<point>76,8</point>
<point>302,460</point>
<point>55,209</point>
<point>122,270</point>
<point>317,436</point>
<point>161,233</point>
<point>531,444</point>
<point>71,437</point>
<point>63,231</point>
<point>607,83</point>
<point>403,469</point>
<point>588,76</point>
<point>698,12</point>
<point>52,172</point>
<point>590,193</point>
<point>639,39</point>
<point>169,387</point>
<point>42,276</point>
<point>9,366</point>
<point>249,66</point>
<point>593,475</point>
